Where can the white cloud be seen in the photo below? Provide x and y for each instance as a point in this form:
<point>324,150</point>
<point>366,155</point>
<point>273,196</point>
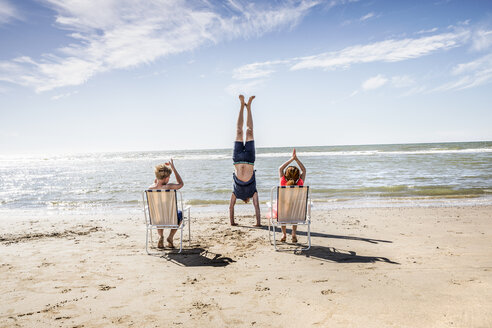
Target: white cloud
<point>64,95</point>
<point>432,30</point>
<point>482,40</point>
<point>374,82</point>
<point>383,51</point>
<point>402,81</point>
<point>257,70</point>
<point>467,75</point>
<point>334,3</point>
<point>470,74</point>
<point>366,17</point>
<point>249,87</point>
<point>110,34</point>
<point>8,12</point>
<point>361,19</point>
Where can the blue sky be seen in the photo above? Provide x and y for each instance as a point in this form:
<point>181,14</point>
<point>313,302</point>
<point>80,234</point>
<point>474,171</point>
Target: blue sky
<point>107,75</point>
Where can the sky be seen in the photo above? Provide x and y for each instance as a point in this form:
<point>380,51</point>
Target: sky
<point>120,75</point>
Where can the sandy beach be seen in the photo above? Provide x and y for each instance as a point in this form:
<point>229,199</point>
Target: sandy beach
<point>373,267</point>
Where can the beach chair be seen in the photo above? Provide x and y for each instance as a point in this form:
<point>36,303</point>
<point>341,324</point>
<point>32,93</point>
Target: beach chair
<point>289,205</point>
<point>161,212</point>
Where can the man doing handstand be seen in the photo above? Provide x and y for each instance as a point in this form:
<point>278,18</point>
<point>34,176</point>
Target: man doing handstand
<point>244,185</point>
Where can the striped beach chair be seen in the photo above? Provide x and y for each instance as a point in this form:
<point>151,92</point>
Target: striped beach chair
<point>289,205</point>
<point>161,212</point>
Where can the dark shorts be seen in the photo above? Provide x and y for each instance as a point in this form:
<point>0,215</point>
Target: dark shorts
<point>180,217</point>
<point>244,153</point>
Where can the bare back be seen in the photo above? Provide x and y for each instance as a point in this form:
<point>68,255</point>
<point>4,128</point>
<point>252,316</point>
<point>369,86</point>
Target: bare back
<point>244,172</point>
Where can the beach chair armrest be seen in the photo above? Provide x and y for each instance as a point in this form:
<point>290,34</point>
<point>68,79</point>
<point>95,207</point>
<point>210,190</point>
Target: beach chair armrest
<point>186,212</point>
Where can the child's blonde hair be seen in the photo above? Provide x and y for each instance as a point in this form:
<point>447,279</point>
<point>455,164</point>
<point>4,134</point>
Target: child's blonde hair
<point>162,171</point>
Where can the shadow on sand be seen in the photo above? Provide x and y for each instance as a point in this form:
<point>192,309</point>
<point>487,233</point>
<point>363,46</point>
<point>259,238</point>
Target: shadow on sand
<point>334,255</point>
<point>325,235</point>
<point>197,257</point>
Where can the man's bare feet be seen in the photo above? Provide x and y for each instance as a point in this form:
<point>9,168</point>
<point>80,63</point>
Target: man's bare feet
<point>241,98</point>
<point>233,224</point>
<point>294,239</point>
<point>283,239</point>
<point>160,244</point>
<point>258,225</point>
<point>169,243</point>
<point>250,100</point>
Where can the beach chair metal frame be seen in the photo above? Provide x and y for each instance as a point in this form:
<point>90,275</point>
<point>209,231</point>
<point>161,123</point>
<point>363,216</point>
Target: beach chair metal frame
<point>148,217</point>
<point>275,222</point>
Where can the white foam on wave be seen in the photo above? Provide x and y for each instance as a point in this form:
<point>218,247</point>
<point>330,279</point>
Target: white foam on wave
<point>379,152</point>
<point>221,155</point>
<point>204,156</point>
<point>440,151</point>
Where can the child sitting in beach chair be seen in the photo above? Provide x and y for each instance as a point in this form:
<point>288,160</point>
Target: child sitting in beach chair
<point>291,176</point>
<point>162,174</point>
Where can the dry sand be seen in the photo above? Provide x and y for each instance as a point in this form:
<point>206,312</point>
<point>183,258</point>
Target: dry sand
<point>387,267</point>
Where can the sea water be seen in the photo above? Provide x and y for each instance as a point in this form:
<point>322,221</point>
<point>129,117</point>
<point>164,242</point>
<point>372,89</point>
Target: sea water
<point>434,174</point>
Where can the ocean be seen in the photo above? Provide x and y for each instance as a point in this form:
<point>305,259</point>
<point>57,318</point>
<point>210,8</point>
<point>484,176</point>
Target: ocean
<point>431,174</point>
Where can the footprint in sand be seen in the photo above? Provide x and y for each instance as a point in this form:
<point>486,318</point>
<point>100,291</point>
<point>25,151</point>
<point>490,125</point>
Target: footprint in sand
<point>190,281</point>
<point>318,281</point>
<point>105,287</point>
<point>262,289</point>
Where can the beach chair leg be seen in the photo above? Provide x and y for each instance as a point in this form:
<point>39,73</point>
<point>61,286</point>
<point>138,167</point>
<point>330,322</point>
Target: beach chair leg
<point>274,239</point>
<point>189,228</point>
<point>181,240</point>
<point>147,240</point>
<point>309,235</point>
<point>309,240</point>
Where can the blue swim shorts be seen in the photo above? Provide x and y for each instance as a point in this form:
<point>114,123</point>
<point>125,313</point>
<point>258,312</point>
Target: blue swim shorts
<point>244,153</point>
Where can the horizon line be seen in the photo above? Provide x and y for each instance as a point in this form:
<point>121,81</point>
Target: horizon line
<point>203,149</point>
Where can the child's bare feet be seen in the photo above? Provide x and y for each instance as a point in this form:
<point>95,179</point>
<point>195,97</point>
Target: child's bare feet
<point>160,244</point>
<point>283,239</point>
<point>233,224</point>
<point>294,239</point>
<point>241,98</point>
<point>250,100</point>
<point>170,243</point>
